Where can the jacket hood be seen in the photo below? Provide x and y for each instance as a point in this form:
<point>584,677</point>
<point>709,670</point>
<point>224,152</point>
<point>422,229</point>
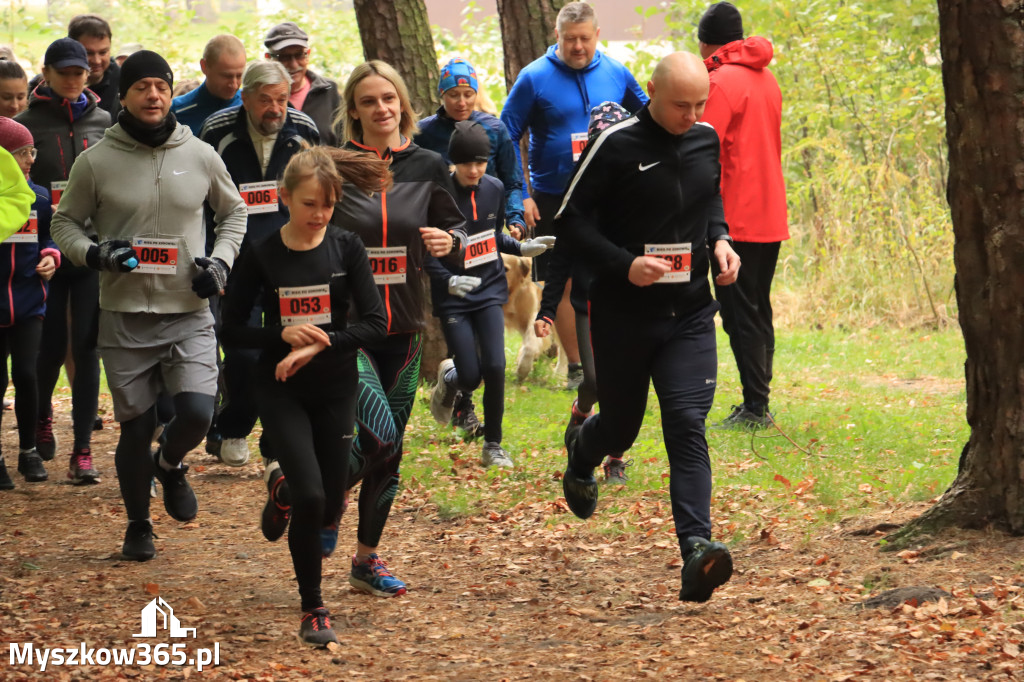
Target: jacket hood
<point>550,54</point>
<point>117,135</point>
<point>41,95</point>
<point>754,53</point>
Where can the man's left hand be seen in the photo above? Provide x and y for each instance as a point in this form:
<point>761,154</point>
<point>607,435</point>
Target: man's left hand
<point>728,263</point>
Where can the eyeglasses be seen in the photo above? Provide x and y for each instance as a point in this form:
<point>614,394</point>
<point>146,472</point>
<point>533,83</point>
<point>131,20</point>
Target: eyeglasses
<point>30,152</point>
<point>288,56</point>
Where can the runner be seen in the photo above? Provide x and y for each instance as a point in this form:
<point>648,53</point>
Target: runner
<point>28,259</point>
<point>143,189</point>
<point>65,120</point>
<point>306,277</point>
<point>222,65</point>
<point>13,89</point>
<point>468,299</point>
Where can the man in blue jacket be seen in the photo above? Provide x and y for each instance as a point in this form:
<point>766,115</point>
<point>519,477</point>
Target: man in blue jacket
<point>256,141</point>
<point>553,96</point>
<point>222,63</point>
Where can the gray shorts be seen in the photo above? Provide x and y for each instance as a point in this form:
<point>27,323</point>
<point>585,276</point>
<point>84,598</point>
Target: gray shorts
<point>146,353</point>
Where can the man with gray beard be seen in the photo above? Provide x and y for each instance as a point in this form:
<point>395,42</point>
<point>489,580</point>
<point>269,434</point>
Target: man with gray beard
<point>256,140</point>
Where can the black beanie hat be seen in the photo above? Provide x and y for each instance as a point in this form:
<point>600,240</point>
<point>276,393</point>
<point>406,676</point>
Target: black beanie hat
<point>143,64</point>
<point>469,142</point>
<point>720,24</point>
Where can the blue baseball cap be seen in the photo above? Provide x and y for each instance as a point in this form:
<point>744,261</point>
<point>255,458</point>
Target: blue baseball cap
<point>457,72</point>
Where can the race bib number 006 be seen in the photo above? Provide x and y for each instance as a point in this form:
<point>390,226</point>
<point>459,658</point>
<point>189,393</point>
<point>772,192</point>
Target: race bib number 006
<point>259,197</point>
<point>156,256</point>
<point>302,305</point>
<point>481,248</point>
<point>678,258</point>
<point>29,232</point>
<point>388,264</point>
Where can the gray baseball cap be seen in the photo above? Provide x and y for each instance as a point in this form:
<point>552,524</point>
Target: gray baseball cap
<point>285,35</point>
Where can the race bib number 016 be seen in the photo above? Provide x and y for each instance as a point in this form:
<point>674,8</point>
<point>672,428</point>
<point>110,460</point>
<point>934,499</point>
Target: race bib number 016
<point>388,264</point>
<point>29,232</point>
<point>56,191</point>
<point>156,256</point>
<point>305,305</point>
<point>579,142</point>
<point>481,248</point>
<point>259,197</point>
<point>678,258</point>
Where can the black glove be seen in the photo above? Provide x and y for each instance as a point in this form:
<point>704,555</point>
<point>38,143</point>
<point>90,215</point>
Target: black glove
<point>115,256</point>
<point>211,279</point>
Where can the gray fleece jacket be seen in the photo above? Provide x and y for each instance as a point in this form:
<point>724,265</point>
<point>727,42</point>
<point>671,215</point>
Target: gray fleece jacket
<point>131,190</point>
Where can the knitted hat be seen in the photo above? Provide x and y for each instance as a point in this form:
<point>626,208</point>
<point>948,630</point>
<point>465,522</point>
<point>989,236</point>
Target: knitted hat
<point>65,52</point>
<point>720,24</point>
<point>469,142</point>
<point>457,72</point>
<point>144,64</point>
<point>604,115</point>
<point>13,135</point>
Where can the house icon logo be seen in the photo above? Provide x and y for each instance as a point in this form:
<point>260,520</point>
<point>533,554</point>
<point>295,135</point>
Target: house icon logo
<point>151,614</point>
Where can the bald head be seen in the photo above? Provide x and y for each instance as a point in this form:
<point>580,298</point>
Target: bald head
<point>679,90</point>
<point>222,63</point>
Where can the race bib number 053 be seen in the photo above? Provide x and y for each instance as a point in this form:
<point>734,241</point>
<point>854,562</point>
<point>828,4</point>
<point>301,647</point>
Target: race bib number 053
<point>302,305</point>
<point>678,258</point>
<point>481,248</point>
<point>156,256</point>
<point>29,232</point>
<point>388,264</point>
<point>259,197</point>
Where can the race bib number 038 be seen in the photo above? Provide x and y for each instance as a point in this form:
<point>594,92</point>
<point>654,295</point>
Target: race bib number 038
<point>302,305</point>
<point>259,197</point>
<point>156,256</point>
<point>481,248</point>
<point>678,258</point>
<point>29,232</point>
<point>388,264</point>
<point>579,142</point>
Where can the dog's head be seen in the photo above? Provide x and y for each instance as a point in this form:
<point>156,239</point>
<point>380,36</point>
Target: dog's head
<point>517,271</point>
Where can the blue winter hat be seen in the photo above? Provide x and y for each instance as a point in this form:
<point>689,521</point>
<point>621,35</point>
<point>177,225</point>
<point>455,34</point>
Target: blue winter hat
<point>457,72</point>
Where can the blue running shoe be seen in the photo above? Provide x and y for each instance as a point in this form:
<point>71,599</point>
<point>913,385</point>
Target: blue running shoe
<point>329,539</point>
<point>373,577</point>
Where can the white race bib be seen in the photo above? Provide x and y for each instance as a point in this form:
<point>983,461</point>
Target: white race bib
<point>481,248</point>
<point>677,256</point>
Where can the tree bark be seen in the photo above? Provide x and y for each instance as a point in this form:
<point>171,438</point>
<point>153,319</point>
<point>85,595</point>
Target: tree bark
<point>527,29</point>
<point>398,32</point>
<point>982,43</point>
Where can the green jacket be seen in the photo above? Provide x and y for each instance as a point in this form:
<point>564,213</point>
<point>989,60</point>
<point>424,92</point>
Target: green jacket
<point>16,196</point>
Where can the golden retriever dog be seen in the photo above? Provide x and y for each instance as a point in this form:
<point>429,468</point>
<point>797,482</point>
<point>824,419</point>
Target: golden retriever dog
<point>520,312</point>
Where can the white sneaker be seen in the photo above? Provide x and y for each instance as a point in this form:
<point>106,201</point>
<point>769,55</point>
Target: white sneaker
<point>442,397</point>
<point>493,455</point>
<point>234,452</point>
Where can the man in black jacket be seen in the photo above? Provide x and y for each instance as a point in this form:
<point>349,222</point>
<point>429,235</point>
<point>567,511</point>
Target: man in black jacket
<point>316,96</point>
<point>644,213</point>
<point>93,32</point>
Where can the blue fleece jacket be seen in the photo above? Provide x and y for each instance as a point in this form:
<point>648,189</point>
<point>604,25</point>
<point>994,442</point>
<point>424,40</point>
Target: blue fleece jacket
<point>24,291</point>
<point>193,108</point>
<point>554,101</point>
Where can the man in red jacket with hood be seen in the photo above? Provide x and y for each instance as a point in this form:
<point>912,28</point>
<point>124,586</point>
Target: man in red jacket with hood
<point>745,108</point>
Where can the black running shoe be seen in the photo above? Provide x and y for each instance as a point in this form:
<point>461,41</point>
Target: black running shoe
<point>97,424</point>
<point>315,629</point>
<point>277,510</point>
<point>5,479</point>
<point>464,417</point>
<point>46,441</point>
<point>30,465</point>
<point>578,484</point>
<point>706,566</point>
<point>138,541</point>
<point>179,500</point>
<point>615,470</point>
<point>742,418</point>
<point>213,441</point>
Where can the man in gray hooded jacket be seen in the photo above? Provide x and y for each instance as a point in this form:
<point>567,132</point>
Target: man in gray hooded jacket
<point>143,190</point>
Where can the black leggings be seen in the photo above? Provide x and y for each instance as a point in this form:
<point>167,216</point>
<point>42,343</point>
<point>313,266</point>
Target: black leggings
<point>586,394</point>
<point>22,343</point>
<point>311,427</point>
<point>476,341</point>
<point>74,289</point>
<point>133,457</point>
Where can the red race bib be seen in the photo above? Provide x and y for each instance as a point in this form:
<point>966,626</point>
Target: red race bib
<point>156,256</point>
<point>259,197</point>
<point>677,256</point>
<point>29,232</point>
<point>388,264</point>
<point>481,248</point>
<point>302,305</point>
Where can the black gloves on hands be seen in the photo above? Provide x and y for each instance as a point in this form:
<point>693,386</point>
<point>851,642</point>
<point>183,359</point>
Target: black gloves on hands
<point>211,279</point>
<point>115,255</point>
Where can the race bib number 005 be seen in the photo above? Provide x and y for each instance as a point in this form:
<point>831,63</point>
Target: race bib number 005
<point>29,232</point>
<point>579,142</point>
<point>388,264</point>
<point>481,248</point>
<point>156,256</point>
<point>302,305</point>
<point>259,197</point>
<point>678,258</point>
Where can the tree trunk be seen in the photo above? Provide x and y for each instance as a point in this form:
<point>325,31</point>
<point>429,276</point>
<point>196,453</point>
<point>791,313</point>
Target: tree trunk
<point>982,44</point>
<point>398,32</point>
<point>527,29</point>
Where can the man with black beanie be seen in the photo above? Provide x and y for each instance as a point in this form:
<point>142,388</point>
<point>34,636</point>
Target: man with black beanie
<point>745,108</point>
<point>143,191</point>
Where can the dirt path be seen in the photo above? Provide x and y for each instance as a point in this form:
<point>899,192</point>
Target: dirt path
<point>503,594</point>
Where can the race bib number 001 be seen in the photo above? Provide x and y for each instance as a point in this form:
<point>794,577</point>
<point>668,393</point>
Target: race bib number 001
<point>481,248</point>
<point>56,191</point>
<point>305,305</point>
<point>678,258</point>
<point>388,264</point>
<point>156,256</point>
<point>259,197</point>
<point>29,232</point>
<point>579,143</point>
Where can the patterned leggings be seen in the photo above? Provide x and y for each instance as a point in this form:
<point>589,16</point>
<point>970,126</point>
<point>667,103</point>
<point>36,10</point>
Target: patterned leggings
<point>388,376</point>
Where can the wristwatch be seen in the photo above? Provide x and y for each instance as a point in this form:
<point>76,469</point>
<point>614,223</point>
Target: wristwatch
<point>722,237</point>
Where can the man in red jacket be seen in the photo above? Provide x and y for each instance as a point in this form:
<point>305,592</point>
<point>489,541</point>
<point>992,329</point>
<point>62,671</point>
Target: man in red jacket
<point>745,108</point>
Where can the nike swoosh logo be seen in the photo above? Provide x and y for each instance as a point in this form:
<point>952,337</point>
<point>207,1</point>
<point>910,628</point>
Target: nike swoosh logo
<point>180,172</point>
<point>648,166</point>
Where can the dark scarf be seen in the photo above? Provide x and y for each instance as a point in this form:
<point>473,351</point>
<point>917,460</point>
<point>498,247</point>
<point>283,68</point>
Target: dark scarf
<point>148,135</point>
